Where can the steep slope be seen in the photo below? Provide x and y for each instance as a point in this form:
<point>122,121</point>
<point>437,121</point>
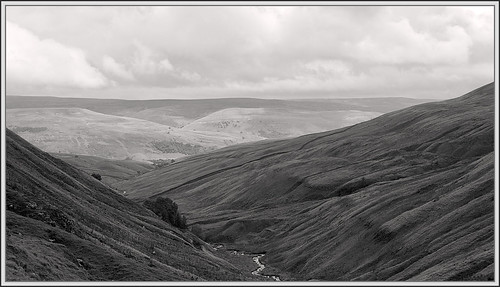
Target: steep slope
<point>406,196</point>
<point>63,225</point>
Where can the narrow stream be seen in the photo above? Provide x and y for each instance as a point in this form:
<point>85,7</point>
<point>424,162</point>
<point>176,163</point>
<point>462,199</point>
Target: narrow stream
<point>257,272</point>
<point>255,258</point>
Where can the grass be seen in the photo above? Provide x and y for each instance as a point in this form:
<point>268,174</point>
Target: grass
<point>165,129</point>
<point>64,225</point>
<point>401,197</point>
<point>111,170</point>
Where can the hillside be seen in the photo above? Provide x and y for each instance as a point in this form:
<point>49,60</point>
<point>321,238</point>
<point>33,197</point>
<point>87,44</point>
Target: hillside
<point>64,225</point>
<point>110,170</point>
<point>147,130</point>
<point>179,112</point>
<point>265,123</point>
<point>408,195</point>
<point>81,131</point>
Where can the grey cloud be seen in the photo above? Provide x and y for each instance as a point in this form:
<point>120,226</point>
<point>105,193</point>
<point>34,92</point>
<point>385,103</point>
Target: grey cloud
<point>278,49</point>
<point>42,62</point>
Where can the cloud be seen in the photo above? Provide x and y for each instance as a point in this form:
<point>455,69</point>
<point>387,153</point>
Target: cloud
<point>191,76</point>
<point>165,65</point>
<point>45,62</point>
<point>114,68</point>
<point>328,68</point>
<point>155,69</point>
<point>399,43</point>
<point>147,62</point>
<point>333,49</point>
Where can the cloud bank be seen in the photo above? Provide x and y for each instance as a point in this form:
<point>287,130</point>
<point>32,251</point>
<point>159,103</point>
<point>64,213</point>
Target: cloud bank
<point>325,51</point>
<point>45,62</point>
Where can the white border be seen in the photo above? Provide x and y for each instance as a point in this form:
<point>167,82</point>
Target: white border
<point>248,3</point>
<point>2,144</point>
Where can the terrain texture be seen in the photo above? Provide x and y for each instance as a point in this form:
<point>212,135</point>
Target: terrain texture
<point>148,130</point>
<point>408,195</point>
<point>64,225</point>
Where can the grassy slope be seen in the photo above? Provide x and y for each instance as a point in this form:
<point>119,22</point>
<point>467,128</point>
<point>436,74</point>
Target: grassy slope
<point>80,131</point>
<point>64,225</point>
<point>111,170</point>
<point>406,196</point>
<point>177,112</point>
<point>164,129</point>
<point>266,123</point>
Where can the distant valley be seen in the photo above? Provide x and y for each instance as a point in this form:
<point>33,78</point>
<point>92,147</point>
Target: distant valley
<point>301,144</point>
<point>406,196</point>
<point>168,129</point>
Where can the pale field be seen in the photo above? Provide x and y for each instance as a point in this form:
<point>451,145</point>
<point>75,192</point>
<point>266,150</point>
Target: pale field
<point>81,131</point>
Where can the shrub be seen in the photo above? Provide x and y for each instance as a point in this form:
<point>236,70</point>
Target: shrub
<point>96,176</point>
<point>167,210</point>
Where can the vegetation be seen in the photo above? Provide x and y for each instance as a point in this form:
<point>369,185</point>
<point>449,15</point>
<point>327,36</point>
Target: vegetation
<point>384,207</point>
<point>177,147</point>
<point>168,210</point>
<point>110,170</point>
<point>61,225</point>
<point>162,162</point>
<point>97,176</point>
<point>28,129</point>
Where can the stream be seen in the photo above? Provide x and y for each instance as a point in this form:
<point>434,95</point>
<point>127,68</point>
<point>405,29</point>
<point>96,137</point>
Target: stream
<point>255,257</point>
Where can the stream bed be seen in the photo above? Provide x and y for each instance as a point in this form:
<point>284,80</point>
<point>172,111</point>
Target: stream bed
<point>256,259</point>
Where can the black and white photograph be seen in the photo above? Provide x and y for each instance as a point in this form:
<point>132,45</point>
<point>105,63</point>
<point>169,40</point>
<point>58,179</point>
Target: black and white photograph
<point>328,143</point>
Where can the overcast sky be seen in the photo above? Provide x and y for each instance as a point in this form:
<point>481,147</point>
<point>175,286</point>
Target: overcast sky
<point>266,52</point>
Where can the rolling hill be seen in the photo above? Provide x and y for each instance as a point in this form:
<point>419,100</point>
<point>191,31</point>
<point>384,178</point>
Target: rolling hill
<point>64,225</point>
<point>263,123</point>
<point>81,131</point>
<point>147,130</point>
<point>178,112</point>
<point>408,195</point>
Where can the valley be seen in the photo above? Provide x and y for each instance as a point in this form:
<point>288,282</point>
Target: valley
<point>405,196</point>
<point>110,170</point>
<point>84,132</point>
<point>226,144</point>
<point>64,225</point>
<point>152,130</point>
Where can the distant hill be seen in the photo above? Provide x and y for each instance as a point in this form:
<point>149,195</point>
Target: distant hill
<point>176,112</point>
<point>80,131</point>
<point>64,225</point>
<point>146,130</point>
<point>408,195</point>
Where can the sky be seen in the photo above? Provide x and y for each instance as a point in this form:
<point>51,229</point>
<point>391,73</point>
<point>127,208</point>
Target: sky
<point>151,52</point>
